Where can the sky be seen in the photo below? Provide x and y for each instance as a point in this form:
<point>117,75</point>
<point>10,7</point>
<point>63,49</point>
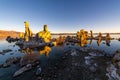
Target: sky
<point>61,15</point>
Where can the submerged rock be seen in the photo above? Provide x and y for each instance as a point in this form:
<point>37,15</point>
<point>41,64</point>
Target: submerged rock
<point>22,70</point>
<point>73,53</point>
<point>11,53</point>
<point>1,65</point>
<point>5,51</point>
<point>10,61</point>
<point>94,54</point>
<point>118,51</point>
<point>10,39</point>
<point>38,71</point>
<point>31,58</point>
<point>6,65</point>
<point>1,52</point>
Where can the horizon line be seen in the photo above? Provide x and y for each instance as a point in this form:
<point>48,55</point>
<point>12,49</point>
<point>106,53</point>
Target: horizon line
<point>65,32</point>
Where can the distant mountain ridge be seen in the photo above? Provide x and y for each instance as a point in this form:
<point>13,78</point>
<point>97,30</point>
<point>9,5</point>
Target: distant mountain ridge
<point>4,34</point>
<point>75,33</point>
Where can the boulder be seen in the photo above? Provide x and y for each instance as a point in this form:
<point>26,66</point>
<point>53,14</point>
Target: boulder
<point>118,64</point>
<point>22,70</point>
<point>38,71</point>
<point>10,61</point>
<point>73,53</point>
<point>11,53</point>
<point>88,60</point>
<point>31,58</point>
<point>93,68</point>
<point>116,57</point>
<point>118,51</point>
<point>5,51</point>
<point>112,73</point>
<point>118,39</point>
<point>6,65</point>
<point>94,54</point>
<point>1,65</point>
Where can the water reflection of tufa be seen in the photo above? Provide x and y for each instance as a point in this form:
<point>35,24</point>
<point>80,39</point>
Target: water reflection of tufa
<point>83,38</point>
<point>85,42</point>
<point>45,51</point>
<point>30,57</point>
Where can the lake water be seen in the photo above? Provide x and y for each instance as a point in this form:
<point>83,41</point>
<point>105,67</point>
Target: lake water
<point>54,55</point>
<point>7,73</point>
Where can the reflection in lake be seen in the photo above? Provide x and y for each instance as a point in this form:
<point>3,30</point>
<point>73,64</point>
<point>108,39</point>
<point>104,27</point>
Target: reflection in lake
<point>99,41</point>
<point>45,51</point>
<point>83,43</point>
<point>29,58</point>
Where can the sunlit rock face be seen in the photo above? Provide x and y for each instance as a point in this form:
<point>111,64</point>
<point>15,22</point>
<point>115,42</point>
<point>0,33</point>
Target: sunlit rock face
<point>108,37</point>
<point>60,40</point>
<point>45,34</point>
<point>82,36</point>
<point>28,32</point>
<point>100,34</point>
<point>21,35</point>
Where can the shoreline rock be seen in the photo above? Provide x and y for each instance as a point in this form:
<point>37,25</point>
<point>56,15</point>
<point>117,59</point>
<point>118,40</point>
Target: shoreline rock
<point>22,70</point>
<point>5,51</point>
<point>11,60</point>
<point>113,70</point>
<point>38,71</point>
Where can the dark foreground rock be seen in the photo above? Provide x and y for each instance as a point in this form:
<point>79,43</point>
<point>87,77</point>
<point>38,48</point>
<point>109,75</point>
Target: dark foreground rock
<point>22,70</point>
<point>74,66</point>
<point>1,65</point>
<point>10,61</point>
<point>5,51</point>
<point>113,69</point>
<point>38,71</point>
